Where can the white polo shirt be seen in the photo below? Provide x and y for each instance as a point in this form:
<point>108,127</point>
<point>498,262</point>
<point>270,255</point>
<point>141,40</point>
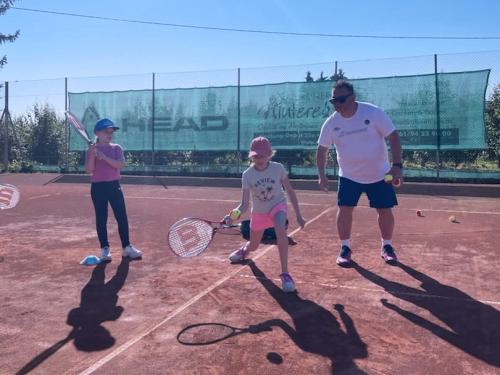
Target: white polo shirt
<point>360,142</point>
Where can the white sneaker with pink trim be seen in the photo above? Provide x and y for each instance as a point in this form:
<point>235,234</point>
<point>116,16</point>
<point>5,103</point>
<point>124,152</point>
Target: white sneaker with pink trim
<point>238,256</point>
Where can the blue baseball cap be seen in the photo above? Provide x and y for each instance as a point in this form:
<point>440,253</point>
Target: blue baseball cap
<point>104,123</point>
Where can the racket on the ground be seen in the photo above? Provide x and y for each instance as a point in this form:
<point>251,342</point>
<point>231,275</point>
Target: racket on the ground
<point>190,236</point>
<point>9,196</point>
<point>211,333</point>
<point>79,127</point>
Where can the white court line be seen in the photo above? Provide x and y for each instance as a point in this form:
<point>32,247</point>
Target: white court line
<point>453,211</point>
<point>310,204</point>
<point>184,306</point>
<point>39,196</point>
<point>333,194</point>
<point>204,200</point>
<point>381,290</point>
<point>440,210</point>
<point>216,200</point>
<point>305,204</point>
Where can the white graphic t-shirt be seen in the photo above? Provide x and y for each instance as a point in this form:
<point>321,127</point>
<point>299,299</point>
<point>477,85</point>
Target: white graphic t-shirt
<point>360,142</point>
<point>265,186</point>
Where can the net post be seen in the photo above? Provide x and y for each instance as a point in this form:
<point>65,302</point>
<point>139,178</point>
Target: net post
<point>153,122</point>
<point>239,121</point>
<point>66,130</point>
<point>438,117</point>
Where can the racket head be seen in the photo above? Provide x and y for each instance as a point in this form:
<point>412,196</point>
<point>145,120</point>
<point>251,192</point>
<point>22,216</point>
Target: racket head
<point>190,236</point>
<point>79,127</point>
<point>205,333</point>
<point>9,196</point>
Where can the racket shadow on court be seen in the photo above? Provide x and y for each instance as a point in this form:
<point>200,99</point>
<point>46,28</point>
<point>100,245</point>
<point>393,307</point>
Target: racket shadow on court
<point>316,330</point>
<point>98,304</point>
<point>472,326</point>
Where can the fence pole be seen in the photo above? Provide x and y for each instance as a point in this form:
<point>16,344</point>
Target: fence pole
<point>335,160</point>
<point>239,120</point>
<point>153,125</point>
<point>438,116</point>
<point>5,126</point>
<point>66,130</point>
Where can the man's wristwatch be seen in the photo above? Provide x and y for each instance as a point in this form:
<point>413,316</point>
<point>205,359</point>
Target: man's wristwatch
<point>399,165</point>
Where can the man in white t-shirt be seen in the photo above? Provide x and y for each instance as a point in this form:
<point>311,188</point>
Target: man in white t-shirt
<point>358,131</point>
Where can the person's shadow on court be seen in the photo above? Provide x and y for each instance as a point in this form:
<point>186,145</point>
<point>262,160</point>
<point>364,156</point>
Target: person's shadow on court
<point>316,330</point>
<point>98,304</point>
<point>474,327</point>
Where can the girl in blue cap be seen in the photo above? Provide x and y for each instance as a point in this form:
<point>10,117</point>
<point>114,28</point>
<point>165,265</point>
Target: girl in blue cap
<point>103,162</point>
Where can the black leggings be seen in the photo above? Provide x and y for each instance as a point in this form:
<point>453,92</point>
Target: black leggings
<point>102,193</point>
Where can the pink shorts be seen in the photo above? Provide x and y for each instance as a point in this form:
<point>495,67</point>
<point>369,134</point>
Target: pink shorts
<point>261,221</point>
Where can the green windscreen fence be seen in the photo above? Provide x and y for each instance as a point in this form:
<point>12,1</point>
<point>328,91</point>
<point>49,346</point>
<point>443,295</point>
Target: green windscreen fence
<point>447,108</point>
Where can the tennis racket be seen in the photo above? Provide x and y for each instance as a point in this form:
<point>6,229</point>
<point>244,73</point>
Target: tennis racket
<point>9,196</point>
<point>191,236</point>
<point>211,333</point>
<point>79,127</point>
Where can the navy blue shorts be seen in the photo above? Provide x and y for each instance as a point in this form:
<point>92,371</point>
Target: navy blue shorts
<point>380,194</point>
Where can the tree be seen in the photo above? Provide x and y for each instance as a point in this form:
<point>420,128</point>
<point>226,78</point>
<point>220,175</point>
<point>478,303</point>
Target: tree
<point>338,76</point>
<point>4,38</point>
<point>45,138</point>
<point>321,78</point>
<point>493,124</point>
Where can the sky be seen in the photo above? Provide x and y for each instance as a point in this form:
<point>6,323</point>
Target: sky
<point>54,46</point>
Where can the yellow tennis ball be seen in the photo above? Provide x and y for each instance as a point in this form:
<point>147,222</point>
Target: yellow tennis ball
<point>235,214</point>
<point>388,178</point>
<point>452,219</point>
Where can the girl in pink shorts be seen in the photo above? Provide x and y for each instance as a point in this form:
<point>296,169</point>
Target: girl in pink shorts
<point>265,181</point>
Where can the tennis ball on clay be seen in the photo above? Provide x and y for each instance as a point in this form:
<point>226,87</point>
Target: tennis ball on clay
<point>235,214</point>
<point>452,219</point>
<point>419,213</point>
<point>388,178</point>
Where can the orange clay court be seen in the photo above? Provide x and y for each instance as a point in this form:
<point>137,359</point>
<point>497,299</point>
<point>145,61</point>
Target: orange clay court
<point>438,312</point>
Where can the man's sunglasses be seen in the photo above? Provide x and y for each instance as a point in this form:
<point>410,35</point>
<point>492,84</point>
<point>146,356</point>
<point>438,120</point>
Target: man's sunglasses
<point>339,99</point>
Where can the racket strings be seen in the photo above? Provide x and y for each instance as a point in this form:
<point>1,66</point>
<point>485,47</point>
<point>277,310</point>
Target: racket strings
<point>203,334</point>
<point>189,237</point>
<point>78,126</point>
<point>9,196</point>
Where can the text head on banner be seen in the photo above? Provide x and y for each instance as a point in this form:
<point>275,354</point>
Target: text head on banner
<point>290,114</point>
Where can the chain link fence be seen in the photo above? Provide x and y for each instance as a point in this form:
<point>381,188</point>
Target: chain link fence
<point>163,135</point>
